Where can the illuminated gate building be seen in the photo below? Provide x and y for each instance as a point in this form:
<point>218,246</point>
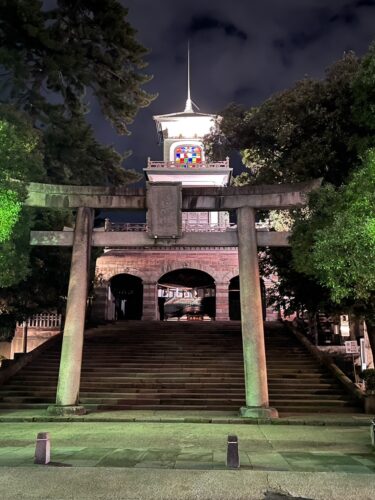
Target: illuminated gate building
<point>179,283</point>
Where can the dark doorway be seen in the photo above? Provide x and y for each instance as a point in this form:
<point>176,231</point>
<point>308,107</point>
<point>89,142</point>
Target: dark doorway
<point>234,299</point>
<point>128,293</point>
<point>187,294</point>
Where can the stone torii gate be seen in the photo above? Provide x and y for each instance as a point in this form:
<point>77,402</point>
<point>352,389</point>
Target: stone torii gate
<point>164,203</point>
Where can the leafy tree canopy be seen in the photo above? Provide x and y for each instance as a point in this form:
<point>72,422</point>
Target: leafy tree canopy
<point>54,61</point>
<point>317,128</point>
<point>340,247</point>
<point>21,159</point>
<point>305,132</point>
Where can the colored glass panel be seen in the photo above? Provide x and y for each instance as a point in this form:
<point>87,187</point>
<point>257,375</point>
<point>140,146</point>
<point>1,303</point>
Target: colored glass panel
<point>188,156</point>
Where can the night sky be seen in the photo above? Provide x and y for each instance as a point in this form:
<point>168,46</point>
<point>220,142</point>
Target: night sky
<point>241,51</point>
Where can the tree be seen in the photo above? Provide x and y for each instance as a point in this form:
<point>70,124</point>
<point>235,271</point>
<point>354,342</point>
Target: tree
<point>304,132</point>
<point>340,248</point>
<point>20,160</point>
<point>53,62</point>
<point>318,128</point>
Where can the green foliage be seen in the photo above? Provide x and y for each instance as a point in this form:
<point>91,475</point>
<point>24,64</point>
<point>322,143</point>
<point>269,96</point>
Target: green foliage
<point>364,94</point>
<point>55,61</point>
<point>293,290</point>
<point>317,128</point>
<point>10,208</point>
<point>304,132</point>
<point>21,159</point>
<point>340,249</point>
<point>369,377</point>
<point>14,255</point>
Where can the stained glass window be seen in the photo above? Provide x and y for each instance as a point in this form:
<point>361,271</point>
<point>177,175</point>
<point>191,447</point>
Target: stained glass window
<point>188,156</point>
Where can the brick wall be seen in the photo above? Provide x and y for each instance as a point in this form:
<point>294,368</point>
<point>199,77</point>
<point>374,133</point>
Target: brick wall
<point>150,265</point>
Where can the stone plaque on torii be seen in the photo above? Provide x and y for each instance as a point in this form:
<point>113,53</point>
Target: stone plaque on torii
<point>164,203</point>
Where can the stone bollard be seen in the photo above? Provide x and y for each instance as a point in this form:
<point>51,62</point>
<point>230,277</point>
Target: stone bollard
<point>42,449</point>
<point>233,458</point>
<point>372,433</point>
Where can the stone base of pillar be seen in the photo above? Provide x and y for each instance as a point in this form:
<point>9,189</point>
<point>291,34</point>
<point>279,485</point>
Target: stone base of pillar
<point>258,412</point>
<point>63,411</point>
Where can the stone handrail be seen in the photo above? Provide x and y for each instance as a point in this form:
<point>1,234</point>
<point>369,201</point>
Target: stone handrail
<point>125,226</point>
<point>187,227</point>
<point>45,320</point>
<point>325,360</point>
<point>10,367</point>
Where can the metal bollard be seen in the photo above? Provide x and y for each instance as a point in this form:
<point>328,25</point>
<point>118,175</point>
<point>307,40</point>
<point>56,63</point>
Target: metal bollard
<point>233,458</point>
<point>372,433</point>
<point>42,449</point>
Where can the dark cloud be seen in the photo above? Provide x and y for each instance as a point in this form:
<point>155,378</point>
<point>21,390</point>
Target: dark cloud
<point>240,51</point>
<point>365,3</point>
<point>205,23</point>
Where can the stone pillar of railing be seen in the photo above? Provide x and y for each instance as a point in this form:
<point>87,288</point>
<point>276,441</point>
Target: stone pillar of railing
<point>222,301</point>
<point>99,304</point>
<point>150,301</point>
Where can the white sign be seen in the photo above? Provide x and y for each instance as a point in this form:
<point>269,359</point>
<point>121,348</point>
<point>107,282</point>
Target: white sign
<point>344,326</point>
<point>351,347</point>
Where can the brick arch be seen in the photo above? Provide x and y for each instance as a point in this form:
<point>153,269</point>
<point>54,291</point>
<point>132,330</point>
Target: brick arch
<point>230,275</point>
<point>189,265</point>
<point>110,271</point>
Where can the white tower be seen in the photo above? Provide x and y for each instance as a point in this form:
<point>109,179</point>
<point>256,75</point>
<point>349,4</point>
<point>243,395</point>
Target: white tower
<point>184,158</point>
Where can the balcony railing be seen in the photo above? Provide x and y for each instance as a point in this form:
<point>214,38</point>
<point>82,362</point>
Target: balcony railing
<point>124,226</point>
<point>206,227</point>
<point>45,320</point>
<point>187,227</point>
<point>182,166</point>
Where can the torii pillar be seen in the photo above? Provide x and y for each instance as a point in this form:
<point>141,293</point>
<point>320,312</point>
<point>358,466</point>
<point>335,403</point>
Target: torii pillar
<point>254,354</point>
<point>67,397</point>
<point>164,202</point>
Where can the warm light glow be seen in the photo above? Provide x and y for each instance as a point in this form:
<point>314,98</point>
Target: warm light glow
<point>188,127</point>
<point>212,179</point>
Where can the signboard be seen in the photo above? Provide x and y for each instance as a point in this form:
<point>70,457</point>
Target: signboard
<point>344,325</point>
<point>351,347</point>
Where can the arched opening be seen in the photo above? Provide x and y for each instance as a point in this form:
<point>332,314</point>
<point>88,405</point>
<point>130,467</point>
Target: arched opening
<point>186,294</point>
<point>127,291</point>
<point>234,298</point>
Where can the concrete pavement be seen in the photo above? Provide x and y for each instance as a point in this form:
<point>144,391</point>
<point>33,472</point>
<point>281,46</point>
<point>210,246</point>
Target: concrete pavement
<point>182,460</point>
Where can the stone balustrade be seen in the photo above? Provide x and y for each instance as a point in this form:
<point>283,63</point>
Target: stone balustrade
<point>180,166</point>
<point>187,227</point>
<point>44,320</point>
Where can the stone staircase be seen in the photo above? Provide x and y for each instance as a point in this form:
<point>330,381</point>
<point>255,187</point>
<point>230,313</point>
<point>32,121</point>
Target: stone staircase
<point>180,366</point>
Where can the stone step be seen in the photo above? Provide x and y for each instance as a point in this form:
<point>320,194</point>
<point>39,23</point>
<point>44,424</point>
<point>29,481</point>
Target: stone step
<point>134,365</point>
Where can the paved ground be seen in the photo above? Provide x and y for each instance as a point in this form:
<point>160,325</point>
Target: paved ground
<point>182,460</point>
<point>218,417</point>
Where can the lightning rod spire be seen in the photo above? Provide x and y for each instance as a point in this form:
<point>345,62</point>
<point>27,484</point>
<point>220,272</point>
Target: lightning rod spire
<point>189,102</point>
